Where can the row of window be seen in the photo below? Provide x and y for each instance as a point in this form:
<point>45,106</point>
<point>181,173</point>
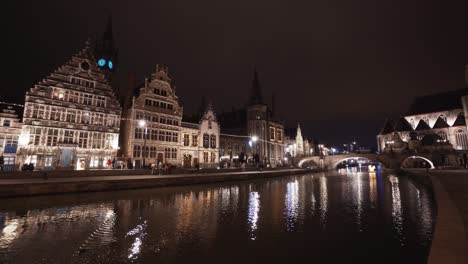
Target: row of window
<point>159,91</point>
<point>72,116</point>
<point>276,133</point>
<point>82,82</point>
<point>156,119</point>
<point>153,134</point>
<point>8,141</point>
<point>209,141</point>
<point>52,136</point>
<point>187,140</point>
<point>151,152</point>
<point>232,149</point>
<point>159,104</point>
<point>209,157</point>
<point>79,98</point>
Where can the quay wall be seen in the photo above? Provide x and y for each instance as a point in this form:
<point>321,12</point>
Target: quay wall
<point>30,187</point>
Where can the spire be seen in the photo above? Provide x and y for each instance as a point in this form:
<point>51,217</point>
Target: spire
<point>108,34</point>
<point>298,133</point>
<point>105,49</point>
<point>256,92</point>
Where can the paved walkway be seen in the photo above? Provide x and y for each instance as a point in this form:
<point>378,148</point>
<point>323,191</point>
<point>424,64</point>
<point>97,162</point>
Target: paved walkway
<point>455,182</point>
<point>450,242</point>
<point>132,177</point>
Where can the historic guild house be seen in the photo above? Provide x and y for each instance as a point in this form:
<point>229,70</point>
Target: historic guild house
<point>71,118</point>
<point>154,132</point>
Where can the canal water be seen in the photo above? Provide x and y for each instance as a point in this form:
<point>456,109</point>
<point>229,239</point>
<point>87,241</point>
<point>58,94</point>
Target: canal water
<point>336,217</point>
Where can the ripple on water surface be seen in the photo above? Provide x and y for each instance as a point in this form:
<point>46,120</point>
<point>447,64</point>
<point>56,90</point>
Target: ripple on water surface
<point>372,218</point>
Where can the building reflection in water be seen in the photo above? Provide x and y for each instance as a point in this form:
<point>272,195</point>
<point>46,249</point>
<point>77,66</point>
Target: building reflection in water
<point>254,209</point>
<point>9,233</point>
<point>397,211</point>
<point>373,189</point>
<point>358,193</point>
<point>184,224</point>
<point>323,207</point>
<point>313,200</point>
<point>291,204</point>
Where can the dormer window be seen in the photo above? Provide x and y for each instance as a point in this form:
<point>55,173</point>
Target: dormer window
<point>210,125</point>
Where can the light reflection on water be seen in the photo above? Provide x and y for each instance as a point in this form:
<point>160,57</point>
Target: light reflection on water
<point>269,219</point>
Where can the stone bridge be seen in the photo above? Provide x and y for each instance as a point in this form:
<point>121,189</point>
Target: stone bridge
<point>390,161</point>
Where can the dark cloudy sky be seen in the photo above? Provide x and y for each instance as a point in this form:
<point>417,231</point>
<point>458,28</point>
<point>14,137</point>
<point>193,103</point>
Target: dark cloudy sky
<point>337,67</point>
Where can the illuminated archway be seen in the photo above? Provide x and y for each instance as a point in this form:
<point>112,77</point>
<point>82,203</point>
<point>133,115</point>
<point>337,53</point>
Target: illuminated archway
<point>418,157</point>
<point>336,163</point>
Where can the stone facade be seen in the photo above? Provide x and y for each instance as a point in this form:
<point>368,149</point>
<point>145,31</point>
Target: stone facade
<point>155,111</point>
<point>254,130</point>
<point>72,117</point>
<point>200,142</point>
<point>298,146</point>
<point>434,122</point>
<point>10,130</point>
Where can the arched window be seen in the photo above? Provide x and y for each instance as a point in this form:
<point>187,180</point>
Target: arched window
<point>442,134</point>
<point>213,141</point>
<point>461,139</point>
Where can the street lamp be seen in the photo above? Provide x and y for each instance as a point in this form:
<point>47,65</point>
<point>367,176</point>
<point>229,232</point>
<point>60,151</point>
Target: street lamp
<point>142,124</point>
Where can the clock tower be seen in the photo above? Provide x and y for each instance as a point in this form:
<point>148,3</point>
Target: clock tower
<point>105,52</point>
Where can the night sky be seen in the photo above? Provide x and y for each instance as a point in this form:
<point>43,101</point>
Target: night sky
<point>337,67</point>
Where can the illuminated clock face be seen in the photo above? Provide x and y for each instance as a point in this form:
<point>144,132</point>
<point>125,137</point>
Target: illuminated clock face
<point>101,62</point>
<point>110,65</point>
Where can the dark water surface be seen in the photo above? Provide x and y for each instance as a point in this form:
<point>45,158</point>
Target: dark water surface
<point>320,218</point>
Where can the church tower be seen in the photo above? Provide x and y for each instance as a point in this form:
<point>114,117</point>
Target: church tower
<point>299,142</point>
<point>105,51</point>
<point>257,119</point>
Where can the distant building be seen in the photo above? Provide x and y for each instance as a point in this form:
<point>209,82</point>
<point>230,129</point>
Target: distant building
<point>200,141</point>
<point>10,129</point>
<point>254,130</point>
<point>433,122</point>
<point>155,111</point>
<point>72,117</point>
<point>297,145</point>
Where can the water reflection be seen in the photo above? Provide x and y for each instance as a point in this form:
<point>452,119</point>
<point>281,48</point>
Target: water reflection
<point>291,204</point>
<point>205,223</point>
<point>373,189</point>
<point>397,211</point>
<point>254,208</point>
<point>323,201</point>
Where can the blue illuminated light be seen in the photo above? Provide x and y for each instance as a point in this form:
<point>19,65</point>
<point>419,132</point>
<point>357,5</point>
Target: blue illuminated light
<point>101,62</point>
<point>111,65</point>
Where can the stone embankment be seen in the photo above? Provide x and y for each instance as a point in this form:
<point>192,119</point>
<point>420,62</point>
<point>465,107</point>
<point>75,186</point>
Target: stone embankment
<point>41,184</point>
<point>450,241</point>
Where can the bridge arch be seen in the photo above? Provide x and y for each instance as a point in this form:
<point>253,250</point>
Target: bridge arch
<point>417,157</point>
<point>336,162</point>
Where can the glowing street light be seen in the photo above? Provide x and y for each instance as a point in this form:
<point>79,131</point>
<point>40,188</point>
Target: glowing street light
<point>142,124</point>
<point>254,138</point>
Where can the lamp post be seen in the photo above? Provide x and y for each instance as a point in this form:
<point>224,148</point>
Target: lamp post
<point>142,124</point>
<point>253,140</point>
